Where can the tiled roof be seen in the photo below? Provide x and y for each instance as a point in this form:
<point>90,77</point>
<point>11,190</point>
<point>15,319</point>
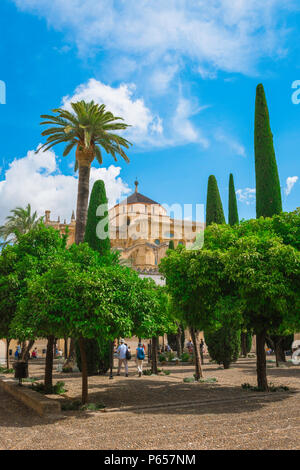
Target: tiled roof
<point>137,197</point>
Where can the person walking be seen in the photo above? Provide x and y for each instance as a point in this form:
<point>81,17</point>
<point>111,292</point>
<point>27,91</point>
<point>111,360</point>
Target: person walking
<point>122,351</point>
<point>140,356</point>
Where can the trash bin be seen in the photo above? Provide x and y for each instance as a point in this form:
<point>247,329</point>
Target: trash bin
<point>21,370</point>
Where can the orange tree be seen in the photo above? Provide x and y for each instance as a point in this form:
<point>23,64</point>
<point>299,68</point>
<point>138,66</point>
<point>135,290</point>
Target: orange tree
<point>261,259</point>
<point>32,254</point>
<point>196,282</point>
<point>98,301</point>
<point>155,319</point>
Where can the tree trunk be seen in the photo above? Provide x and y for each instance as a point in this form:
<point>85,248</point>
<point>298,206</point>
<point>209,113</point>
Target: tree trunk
<point>195,339</point>
<point>66,348</point>
<point>178,343</point>
<point>70,361</point>
<point>281,353</point>
<point>154,355</point>
<point>54,347</point>
<point>49,365</point>
<point>111,358</point>
<point>84,372</point>
<point>25,352</point>
<point>82,198</point>
<point>244,344</point>
<point>261,367</point>
<point>7,352</point>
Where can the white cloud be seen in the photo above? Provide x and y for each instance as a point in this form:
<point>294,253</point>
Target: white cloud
<point>36,179</point>
<point>290,182</point>
<point>121,102</point>
<point>235,146</point>
<point>148,128</point>
<point>183,129</point>
<point>229,35</point>
<point>246,195</point>
<point>161,78</point>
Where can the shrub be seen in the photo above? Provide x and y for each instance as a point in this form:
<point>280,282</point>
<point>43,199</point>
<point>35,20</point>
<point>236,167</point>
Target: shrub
<point>97,356</point>
<point>57,389</point>
<point>185,357</point>
<point>189,379</point>
<point>272,388</point>
<point>223,345</point>
<point>4,370</point>
<point>162,357</point>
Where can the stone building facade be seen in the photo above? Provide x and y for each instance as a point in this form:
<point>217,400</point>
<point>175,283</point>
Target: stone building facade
<point>140,229</point>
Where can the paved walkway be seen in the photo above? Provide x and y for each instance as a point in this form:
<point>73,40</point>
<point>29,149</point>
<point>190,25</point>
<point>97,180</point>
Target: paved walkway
<point>238,420</point>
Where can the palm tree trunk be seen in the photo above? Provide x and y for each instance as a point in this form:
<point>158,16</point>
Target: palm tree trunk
<point>84,372</point>
<point>198,368</point>
<point>82,200</point>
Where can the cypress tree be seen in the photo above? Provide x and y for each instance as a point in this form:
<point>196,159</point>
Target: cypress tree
<point>97,353</point>
<point>214,208</point>
<point>268,194</point>
<point>171,245</point>
<point>233,217</point>
<point>98,197</point>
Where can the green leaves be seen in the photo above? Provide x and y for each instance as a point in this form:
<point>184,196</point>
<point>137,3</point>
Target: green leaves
<point>90,127</point>
<point>253,264</point>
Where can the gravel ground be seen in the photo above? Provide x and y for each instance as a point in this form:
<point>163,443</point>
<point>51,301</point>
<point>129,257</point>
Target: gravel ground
<point>162,412</point>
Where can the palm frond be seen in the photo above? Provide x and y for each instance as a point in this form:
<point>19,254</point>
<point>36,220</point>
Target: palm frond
<point>89,125</point>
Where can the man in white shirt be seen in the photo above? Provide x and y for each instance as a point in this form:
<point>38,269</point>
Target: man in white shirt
<point>122,350</point>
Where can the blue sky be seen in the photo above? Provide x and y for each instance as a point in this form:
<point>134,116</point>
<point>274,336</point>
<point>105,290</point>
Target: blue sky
<point>182,73</point>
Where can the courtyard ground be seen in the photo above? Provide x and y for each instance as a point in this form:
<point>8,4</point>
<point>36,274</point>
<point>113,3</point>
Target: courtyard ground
<point>163,412</point>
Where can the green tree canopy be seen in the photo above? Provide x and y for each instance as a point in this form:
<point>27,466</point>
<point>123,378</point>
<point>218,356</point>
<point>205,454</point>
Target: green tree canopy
<point>19,222</point>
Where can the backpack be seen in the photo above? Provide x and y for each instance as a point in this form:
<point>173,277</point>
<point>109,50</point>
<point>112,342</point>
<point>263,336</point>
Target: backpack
<point>128,355</point>
<point>140,353</point>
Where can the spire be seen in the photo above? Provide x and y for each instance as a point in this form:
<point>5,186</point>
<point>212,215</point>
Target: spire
<point>73,216</point>
<point>136,185</point>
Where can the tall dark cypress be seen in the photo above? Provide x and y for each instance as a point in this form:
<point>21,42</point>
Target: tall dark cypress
<point>98,198</point>
<point>97,352</point>
<point>268,194</point>
<point>171,245</point>
<point>214,208</point>
<point>233,216</point>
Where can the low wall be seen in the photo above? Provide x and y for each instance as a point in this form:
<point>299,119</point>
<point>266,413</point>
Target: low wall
<point>37,402</point>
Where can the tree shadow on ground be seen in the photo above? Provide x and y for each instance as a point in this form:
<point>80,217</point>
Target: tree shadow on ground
<point>273,371</point>
<point>217,399</point>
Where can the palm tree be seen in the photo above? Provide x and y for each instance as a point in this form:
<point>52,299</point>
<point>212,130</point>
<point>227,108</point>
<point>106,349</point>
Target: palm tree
<point>89,129</point>
<point>20,222</point>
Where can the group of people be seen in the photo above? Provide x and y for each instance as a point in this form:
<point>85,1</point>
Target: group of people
<point>124,355</point>
<point>190,348</point>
